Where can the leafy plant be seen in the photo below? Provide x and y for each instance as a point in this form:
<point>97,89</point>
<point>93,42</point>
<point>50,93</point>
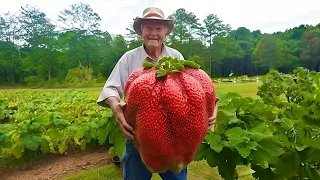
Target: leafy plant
<point>277,135</point>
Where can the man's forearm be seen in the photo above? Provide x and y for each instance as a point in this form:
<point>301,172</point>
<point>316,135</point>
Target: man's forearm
<point>112,101</point>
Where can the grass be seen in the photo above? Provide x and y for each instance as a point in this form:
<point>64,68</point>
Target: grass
<point>106,172</point>
<point>244,89</point>
<point>199,170</point>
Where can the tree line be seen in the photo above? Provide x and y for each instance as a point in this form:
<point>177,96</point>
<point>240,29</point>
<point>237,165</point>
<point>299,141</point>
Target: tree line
<point>33,48</point>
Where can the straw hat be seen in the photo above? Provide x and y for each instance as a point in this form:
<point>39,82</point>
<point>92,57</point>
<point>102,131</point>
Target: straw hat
<point>152,13</point>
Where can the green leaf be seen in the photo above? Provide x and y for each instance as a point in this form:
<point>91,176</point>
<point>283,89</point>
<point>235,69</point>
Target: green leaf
<point>90,113</point>
<point>55,135</point>
<point>226,162</point>
<point>161,72</point>
<point>264,164</point>
<point>111,151</point>
<point>25,125</point>
<point>202,152</point>
<point>239,139</point>
<point>105,121</point>
<point>61,122</point>
<point>164,59</point>
<point>82,131</point>
<point>31,141</point>
<point>148,64</point>
<point>179,66</point>
<point>83,144</point>
<point>245,172</point>
<point>260,128</point>
<point>268,150</point>
<point>45,148</point>
<point>4,140</point>
<point>236,132</point>
<point>313,155</point>
<point>167,65</point>
<point>62,149</point>
<point>245,148</point>
<point>190,64</point>
<point>221,123</point>
<point>235,140</point>
<point>93,133</point>
<point>119,143</point>
<point>288,164</point>
<point>257,136</point>
<point>215,142</point>
<point>235,120</point>
<point>34,125</point>
<point>229,111</point>
<point>102,135</point>
<point>17,150</point>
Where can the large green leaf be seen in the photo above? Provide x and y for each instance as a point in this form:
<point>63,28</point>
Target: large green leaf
<point>31,141</point>
<point>215,142</point>
<point>287,165</point>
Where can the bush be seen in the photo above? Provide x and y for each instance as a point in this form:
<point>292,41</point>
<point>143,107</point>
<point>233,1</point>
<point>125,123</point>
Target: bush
<point>80,76</point>
<point>34,81</point>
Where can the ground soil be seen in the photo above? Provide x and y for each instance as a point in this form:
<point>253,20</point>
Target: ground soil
<point>56,166</point>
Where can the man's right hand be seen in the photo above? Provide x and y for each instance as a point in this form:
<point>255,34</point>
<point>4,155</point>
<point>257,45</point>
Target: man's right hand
<point>117,110</point>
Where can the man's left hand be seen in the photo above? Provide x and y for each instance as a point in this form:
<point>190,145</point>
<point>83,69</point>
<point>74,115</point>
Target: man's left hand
<point>212,119</point>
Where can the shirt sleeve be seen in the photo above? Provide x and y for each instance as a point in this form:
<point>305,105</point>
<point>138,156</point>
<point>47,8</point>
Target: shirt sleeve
<point>180,56</point>
<point>115,83</point>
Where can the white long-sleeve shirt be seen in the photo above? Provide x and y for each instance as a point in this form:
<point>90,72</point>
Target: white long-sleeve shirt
<point>129,62</point>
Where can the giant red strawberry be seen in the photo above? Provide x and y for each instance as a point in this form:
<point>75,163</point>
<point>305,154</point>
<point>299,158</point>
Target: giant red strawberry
<point>168,105</point>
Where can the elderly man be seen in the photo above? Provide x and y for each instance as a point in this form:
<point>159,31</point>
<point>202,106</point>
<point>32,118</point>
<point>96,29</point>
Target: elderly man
<point>153,29</point>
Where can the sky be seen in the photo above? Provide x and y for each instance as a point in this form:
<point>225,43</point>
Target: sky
<point>266,15</point>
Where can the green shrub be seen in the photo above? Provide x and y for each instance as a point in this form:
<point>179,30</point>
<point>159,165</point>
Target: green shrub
<point>80,76</point>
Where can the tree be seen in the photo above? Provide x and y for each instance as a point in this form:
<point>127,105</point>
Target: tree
<point>311,49</point>
<point>133,38</point>
<point>39,37</point>
<point>186,26</point>
<point>213,27</point>
<point>9,52</point>
<point>266,55</point>
<point>83,23</point>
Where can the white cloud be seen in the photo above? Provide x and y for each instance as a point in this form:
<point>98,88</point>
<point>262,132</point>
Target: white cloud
<point>268,16</point>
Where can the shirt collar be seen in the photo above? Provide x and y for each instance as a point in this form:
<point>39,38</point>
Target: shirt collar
<point>163,53</point>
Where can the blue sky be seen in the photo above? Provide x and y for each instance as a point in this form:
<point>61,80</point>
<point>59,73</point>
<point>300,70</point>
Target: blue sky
<point>268,16</point>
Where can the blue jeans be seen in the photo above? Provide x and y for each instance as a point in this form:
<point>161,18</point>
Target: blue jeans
<point>134,169</point>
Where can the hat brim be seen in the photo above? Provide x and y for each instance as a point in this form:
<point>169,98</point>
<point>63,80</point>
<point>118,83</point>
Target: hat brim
<point>137,24</point>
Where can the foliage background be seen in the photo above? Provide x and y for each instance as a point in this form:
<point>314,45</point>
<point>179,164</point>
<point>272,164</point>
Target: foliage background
<point>34,51</point>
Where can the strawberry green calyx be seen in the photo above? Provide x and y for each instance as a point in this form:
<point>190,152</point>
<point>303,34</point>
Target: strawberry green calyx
<point>169,64</point>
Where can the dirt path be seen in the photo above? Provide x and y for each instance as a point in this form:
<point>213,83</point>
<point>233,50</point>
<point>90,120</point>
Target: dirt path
<point>56,167</point>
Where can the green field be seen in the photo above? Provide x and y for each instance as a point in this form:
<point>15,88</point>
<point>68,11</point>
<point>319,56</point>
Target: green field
<point>197,170</point>
<point>247,134</point>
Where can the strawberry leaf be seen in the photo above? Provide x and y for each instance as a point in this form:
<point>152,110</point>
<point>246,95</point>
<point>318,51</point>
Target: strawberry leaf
<point>148,65</point>
<point>161,73</point>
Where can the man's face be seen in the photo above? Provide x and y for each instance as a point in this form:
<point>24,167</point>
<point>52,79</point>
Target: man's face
<point>153,34</point>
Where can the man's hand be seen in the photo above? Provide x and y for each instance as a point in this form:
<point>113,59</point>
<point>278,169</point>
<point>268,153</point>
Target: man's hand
<point>213,118</point>
<point>117,109</point>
